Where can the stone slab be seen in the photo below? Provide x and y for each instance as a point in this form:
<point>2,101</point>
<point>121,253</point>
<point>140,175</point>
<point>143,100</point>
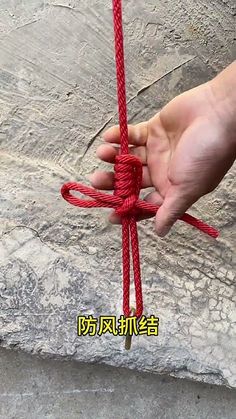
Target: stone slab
<point>57,94</point>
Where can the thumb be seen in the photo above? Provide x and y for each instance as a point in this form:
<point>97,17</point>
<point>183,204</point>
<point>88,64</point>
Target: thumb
<point>175,204</point>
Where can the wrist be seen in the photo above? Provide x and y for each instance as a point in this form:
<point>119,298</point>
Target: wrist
<point>222,94</point>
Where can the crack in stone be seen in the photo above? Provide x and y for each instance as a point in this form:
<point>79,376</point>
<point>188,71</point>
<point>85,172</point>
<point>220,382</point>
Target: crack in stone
<point>143,89</point>
<point>27,24</point>
<point>91,141</point>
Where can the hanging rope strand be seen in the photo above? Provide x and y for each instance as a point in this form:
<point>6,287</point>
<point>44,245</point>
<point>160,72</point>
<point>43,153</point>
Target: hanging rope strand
<point>120,75</point>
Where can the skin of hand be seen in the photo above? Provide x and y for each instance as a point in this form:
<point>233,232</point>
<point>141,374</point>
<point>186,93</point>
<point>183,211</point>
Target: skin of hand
<point>186,149</point>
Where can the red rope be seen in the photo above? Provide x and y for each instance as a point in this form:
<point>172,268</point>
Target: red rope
<point>128,180</point>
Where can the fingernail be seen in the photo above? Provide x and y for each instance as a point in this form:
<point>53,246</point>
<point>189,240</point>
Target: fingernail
<point>104,134</point>
<point>164,231</point>
<point>114,219</point>
<point>89,177</point>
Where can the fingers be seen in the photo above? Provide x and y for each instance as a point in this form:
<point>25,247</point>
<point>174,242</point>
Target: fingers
<point>154,198</point>
<point>175,204</point>
<point>108,152</point>
<point>137,134</point>
<point>105,180</point>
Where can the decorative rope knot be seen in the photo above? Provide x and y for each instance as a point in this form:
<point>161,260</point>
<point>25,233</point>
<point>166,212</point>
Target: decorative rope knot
<point>128,181</point>
<point>126,203</point>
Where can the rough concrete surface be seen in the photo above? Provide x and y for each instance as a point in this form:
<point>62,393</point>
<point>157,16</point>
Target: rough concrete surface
<point>57,94</point>
<point>32,388</point>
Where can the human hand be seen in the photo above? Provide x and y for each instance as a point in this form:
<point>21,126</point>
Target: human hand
<point>186,149</point>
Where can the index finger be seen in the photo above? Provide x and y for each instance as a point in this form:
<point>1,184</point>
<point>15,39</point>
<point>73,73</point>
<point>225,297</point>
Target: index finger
<point>137,134</point>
